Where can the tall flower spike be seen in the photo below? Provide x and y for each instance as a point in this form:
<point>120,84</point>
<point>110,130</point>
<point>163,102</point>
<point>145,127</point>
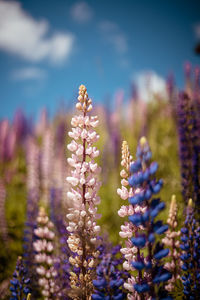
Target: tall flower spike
<point>33,191</point>
<point>46,164</point>
<point>44,255</point>
<point>20,283</point>
<point>3,223</point>
<point>190,237</point>
<point>171,240</point>
<point>127,230</point>
<point>142,229</point>
<point>82,215</point>
<point>189,147</point>
<point>126,160</point>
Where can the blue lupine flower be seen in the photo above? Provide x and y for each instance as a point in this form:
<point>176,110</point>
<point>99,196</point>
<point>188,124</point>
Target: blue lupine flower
<point>162,253</point>
<point>20,283</point>
<point>110,279</point>
<point>139,241</point>
<point>141,288</point>
<point>136,219</point>
<point>138,265</point>
<point>145,185</point>
<point>135,166</point>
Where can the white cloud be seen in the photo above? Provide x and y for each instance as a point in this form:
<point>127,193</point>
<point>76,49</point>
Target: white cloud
<point>28,73</point>
<point>114,36</point>
<point>26,37</point>
<point>81,12</point>
<point>149,83</point>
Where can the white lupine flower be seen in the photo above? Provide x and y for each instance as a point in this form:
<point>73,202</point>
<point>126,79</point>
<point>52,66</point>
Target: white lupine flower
<point>82,181</point>
<point>84,134</point>
<point>93,167</point>
<point>71,161</point>
<point>91,182</point>
<point>127,230</point>
<point>79,151</point>
<point>41,270</point>
<point>71,196</point>
<point>49,247</point>
<point>84,184</point>
<point>74,181</point>
<point>87,195</point>
<point>72,146</point>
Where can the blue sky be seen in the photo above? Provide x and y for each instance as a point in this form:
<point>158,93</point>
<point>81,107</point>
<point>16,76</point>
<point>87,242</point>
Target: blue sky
<point>48,48</point>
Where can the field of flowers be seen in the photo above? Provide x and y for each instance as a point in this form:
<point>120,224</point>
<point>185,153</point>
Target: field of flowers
<point>103,204</point>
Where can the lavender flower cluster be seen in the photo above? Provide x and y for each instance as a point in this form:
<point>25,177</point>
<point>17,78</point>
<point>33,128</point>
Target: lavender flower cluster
<point>69,257</point>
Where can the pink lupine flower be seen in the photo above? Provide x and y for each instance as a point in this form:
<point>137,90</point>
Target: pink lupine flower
<point>44,256</point>
<point>128,230</point>
<point>3,223</point>
<point>83,196</point>
<point>46,163</point>
<point>171,240</point>
<point>32,158</point>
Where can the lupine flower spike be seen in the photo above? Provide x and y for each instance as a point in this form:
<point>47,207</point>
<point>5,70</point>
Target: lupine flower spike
<point>46,164</point>
<point>151,273</point>
<point>190,237</point>
<point>83,196</point>
<point>171,240</point>
<point>44,255</point>
<point>189,148</point>
<point>3,223</point>
<point>20,283</point>
<point>33,192</point>
<point>127,230</point>
<point>110,278</point>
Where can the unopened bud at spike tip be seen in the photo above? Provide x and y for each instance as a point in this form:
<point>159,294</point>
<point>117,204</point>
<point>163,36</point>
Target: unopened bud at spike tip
<point>79,106</point>
<point>143,141</point>
<point>190,203</point>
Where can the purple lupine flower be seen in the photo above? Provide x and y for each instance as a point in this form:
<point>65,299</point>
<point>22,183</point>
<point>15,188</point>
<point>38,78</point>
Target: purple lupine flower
<point>32,158</point>
<point>185,146</point>
<point>189,148</point>
<point>3,223</point>
<point>190,237</point>
<point>62,265</point>
<point>188,81</point>
<point>20,125</point>
<point>7,141</point>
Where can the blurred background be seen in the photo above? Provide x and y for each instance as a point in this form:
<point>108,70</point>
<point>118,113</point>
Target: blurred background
<point>133,56</point>
<point>48,48</point>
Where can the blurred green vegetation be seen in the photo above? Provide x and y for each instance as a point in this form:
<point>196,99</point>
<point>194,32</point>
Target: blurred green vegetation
<point>15,207</point>
<point>156,122</point>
